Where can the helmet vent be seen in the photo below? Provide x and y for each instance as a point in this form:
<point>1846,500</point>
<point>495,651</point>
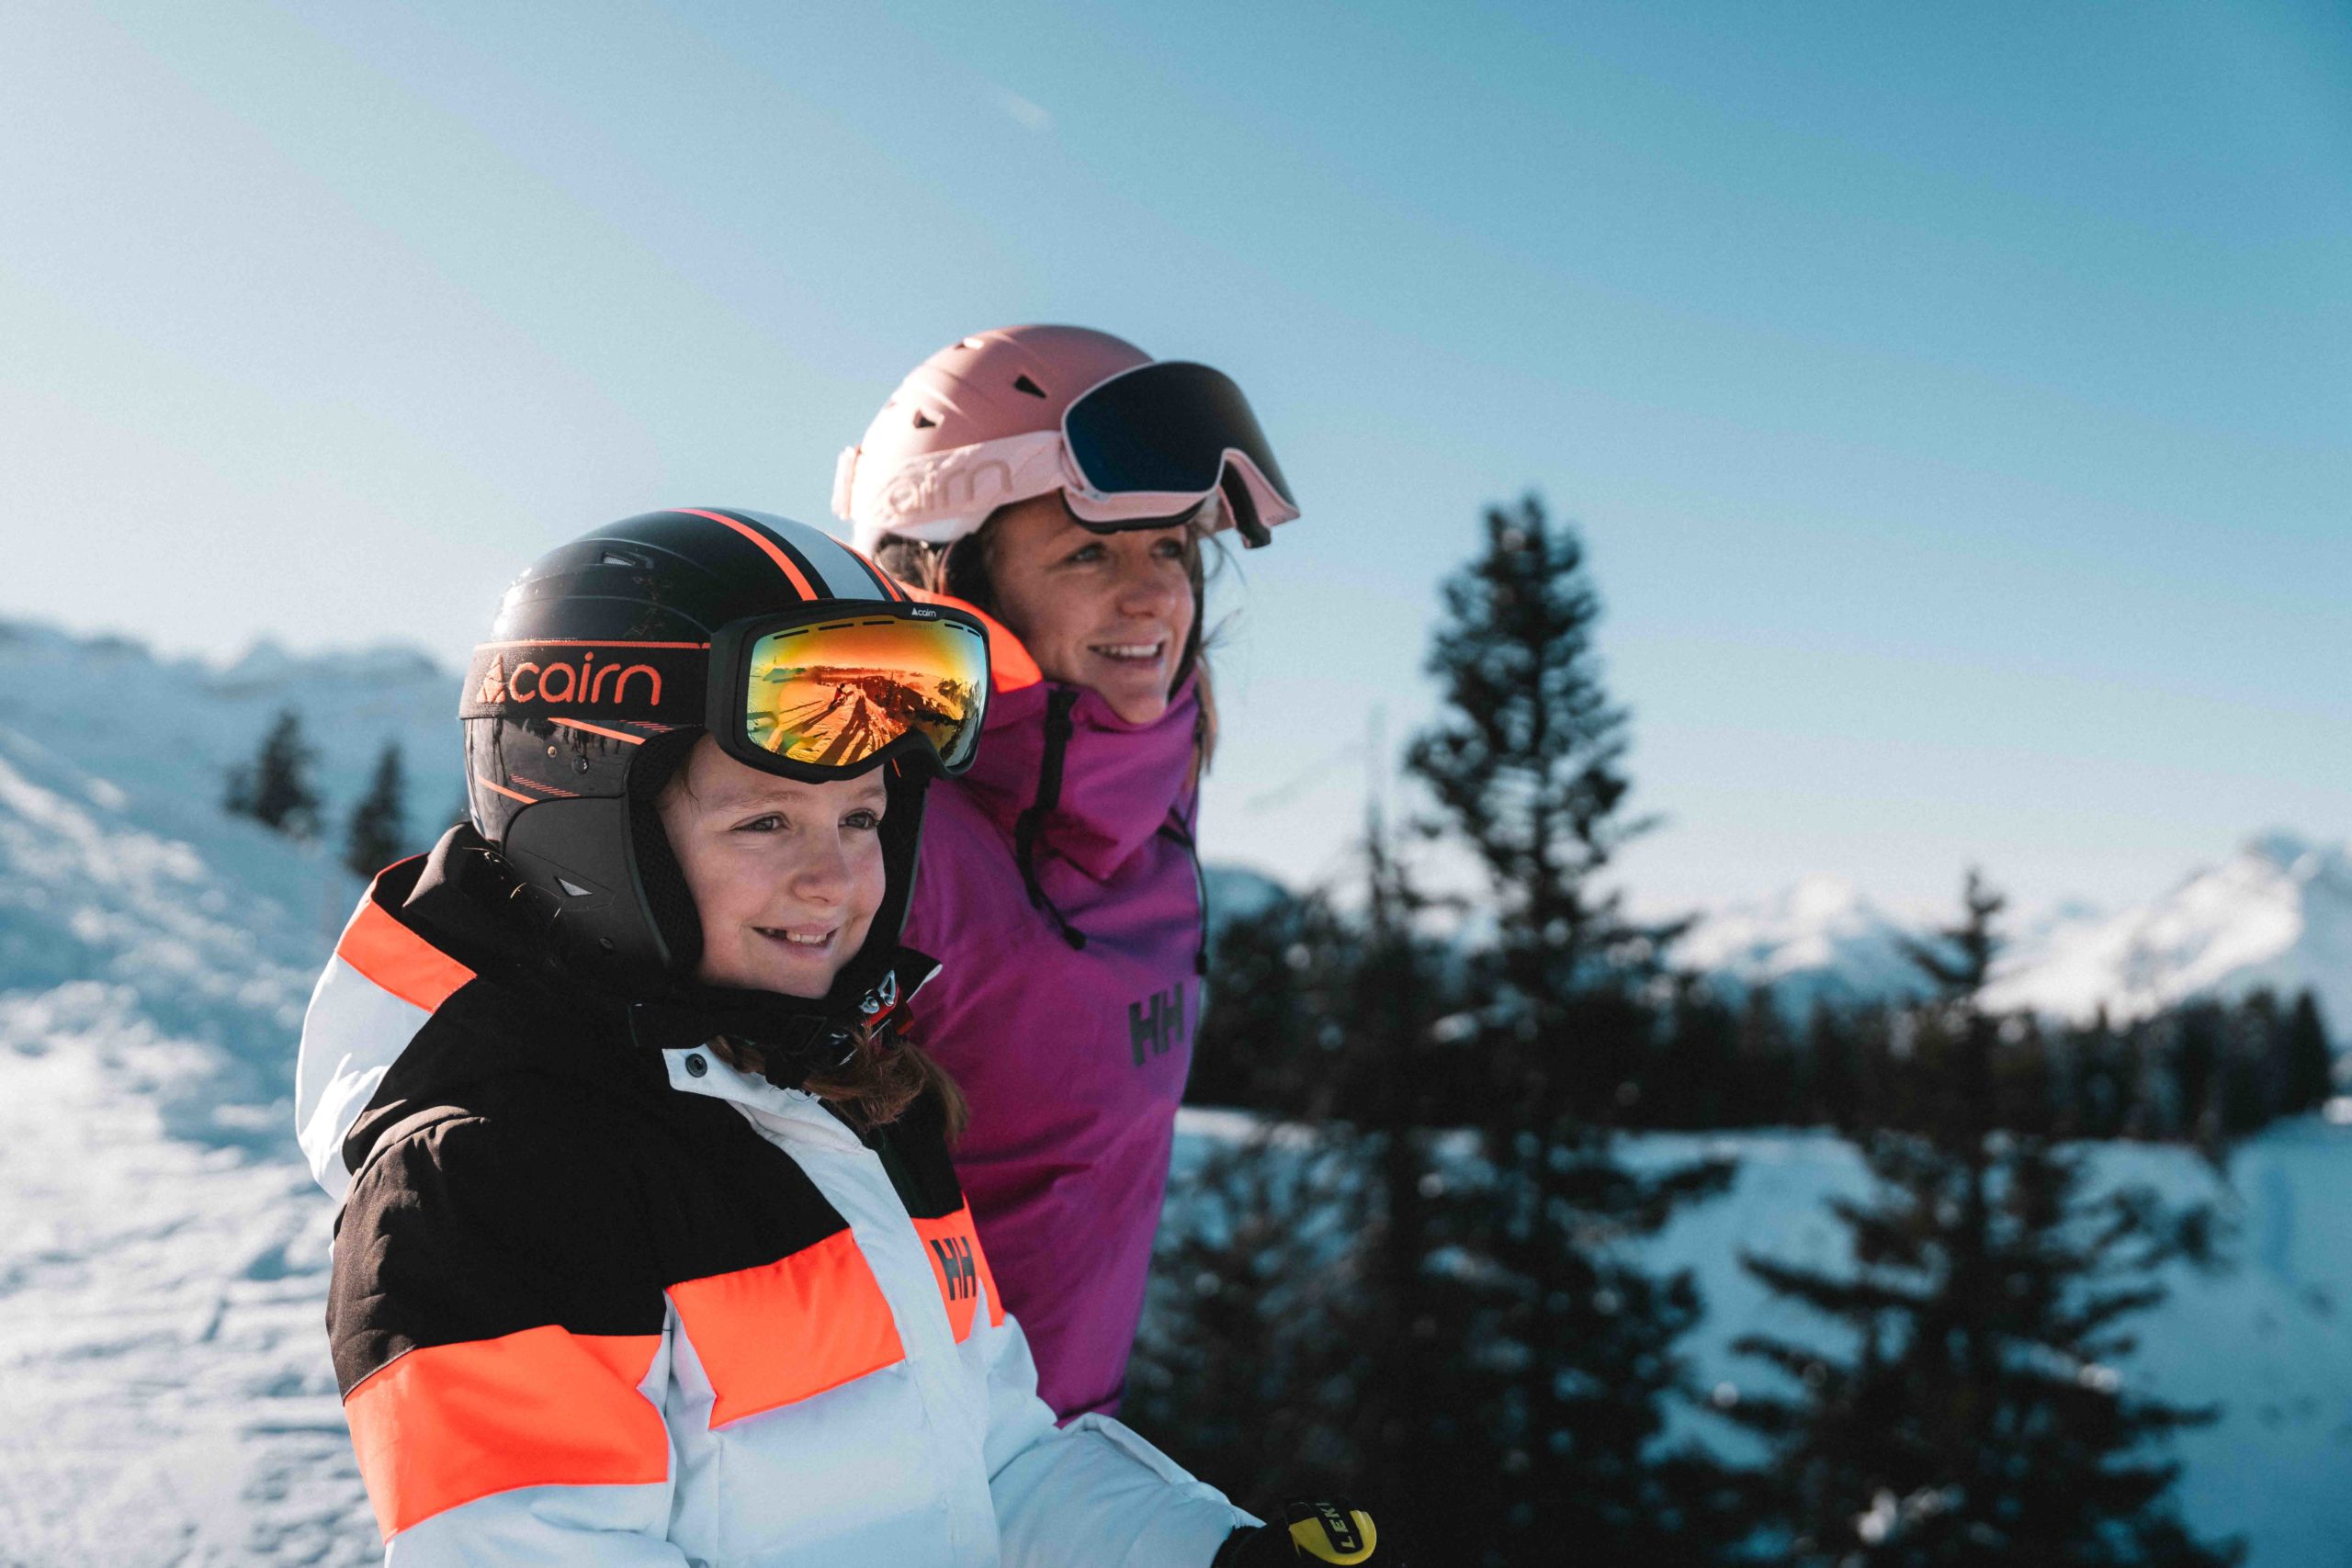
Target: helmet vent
<point>923,421</point>
<point>622,558</point>
<point>1023,384</point>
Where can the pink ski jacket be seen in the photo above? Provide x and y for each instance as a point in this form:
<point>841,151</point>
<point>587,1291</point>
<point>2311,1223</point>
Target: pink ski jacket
<point>1066,1003</point>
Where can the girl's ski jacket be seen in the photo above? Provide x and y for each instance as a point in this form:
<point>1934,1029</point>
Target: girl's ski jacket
<point>1069,990</point>
<point>598,1303</point>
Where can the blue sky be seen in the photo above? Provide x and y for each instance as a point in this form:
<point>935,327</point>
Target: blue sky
<point>1958,402</point>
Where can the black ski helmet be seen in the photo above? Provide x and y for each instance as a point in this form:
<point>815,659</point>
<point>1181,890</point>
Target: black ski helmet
<point>590,691</point>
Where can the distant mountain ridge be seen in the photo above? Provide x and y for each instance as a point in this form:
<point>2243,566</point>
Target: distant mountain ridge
<point>2277,914</point>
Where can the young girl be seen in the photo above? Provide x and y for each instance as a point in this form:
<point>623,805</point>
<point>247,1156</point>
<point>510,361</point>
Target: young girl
<point>650,1251</point>
<point>1062,482</point>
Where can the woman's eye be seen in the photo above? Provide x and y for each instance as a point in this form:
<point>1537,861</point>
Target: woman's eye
<point>863,820</point>
<point>768,824</point>
<point>1168,550</point>
<point>1085,554</point>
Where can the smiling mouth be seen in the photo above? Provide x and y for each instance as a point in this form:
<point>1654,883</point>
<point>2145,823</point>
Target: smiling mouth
<point>1129,652</point>
<point>803,939</point>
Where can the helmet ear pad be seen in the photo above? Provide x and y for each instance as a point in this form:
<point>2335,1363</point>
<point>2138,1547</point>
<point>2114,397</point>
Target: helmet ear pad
<point>677,923</point>
<point>584,859</point>
<point>617,903</point>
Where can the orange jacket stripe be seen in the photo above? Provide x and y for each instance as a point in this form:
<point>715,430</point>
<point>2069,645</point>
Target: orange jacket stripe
<point>398,959</point>
<point>767,546</point>
<point>597,729</point>
<point>790,1329</point>
<point>988,1280</point>
<point>1010,665</point>
<point>446,1424</point>
<point>959,1269</point>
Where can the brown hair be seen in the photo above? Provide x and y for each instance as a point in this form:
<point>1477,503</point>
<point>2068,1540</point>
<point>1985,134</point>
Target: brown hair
<point>875,1087</point>
<point>962,569</point>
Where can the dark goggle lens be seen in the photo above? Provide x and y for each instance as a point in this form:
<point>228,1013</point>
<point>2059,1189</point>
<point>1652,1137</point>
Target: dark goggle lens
<point>1166,427</point>
<point>833,695</point>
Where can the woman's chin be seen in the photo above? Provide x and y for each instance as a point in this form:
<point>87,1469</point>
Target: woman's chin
<point>1136,696</point>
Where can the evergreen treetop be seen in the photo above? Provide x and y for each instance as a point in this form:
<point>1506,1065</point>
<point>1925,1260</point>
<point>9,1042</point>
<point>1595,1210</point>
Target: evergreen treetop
<point>377,831</point>
<point>275,788</point>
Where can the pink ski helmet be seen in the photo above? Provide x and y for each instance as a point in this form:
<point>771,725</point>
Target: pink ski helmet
<point>1019,411</point>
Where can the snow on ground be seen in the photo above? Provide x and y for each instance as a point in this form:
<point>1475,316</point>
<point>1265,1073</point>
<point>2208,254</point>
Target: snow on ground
<point>162,1253</point>
<point>169,1398</point>
<point>2267,1339</point>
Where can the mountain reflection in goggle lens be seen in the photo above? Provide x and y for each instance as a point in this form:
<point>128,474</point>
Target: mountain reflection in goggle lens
<point>833,695</point>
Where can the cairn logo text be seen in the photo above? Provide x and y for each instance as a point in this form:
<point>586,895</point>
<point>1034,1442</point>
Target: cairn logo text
<point>580,681</point>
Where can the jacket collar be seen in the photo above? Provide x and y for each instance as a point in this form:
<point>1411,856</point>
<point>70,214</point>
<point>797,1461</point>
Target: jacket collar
<point>1119,781</point>
<point>792,1115</point>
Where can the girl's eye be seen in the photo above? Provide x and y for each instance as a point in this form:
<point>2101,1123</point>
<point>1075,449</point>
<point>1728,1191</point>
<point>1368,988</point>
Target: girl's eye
<point>863,820</point>
<point>768,824</point>
<point>1085,554</point>
<point>1168,550</point>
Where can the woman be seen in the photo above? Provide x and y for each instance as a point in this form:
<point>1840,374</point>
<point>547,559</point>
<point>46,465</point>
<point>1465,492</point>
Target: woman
<point>650,1251</point>
<point>1061,482</point>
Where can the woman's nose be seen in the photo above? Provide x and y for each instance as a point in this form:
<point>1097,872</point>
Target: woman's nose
<point>1148,588</point>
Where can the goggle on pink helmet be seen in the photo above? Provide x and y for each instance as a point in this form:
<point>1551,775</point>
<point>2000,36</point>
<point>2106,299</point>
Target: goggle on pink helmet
<point>1019,411</point>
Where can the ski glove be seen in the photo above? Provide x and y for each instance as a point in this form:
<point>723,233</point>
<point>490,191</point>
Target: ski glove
<point>1335,1531</point>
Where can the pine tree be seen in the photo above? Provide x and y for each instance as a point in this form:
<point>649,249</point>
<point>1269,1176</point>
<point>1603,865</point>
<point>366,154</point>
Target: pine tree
<point>378,831</point>
<point>2309,1066</point>
<point>1562,1349</point>
<point>275,789</point>
<point>1980,1415</point>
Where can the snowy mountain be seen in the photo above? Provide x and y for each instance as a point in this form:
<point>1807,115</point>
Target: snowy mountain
<point>2278,913</point>
<point>1822,939</point>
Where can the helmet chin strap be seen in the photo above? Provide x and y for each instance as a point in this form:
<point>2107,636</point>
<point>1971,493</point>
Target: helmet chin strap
<point>797,1037</point>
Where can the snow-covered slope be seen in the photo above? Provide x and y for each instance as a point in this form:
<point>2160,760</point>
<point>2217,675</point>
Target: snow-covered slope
<point>2278,913</point>
<point>163,1252</point>
<point>1820,939</point>
<point>2265,1339</point>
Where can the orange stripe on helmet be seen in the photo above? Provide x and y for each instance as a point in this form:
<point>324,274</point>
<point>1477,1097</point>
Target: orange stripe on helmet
<point>446,1424</point>
<point>1011,666</point>
<point>582,642</point>
<point>596,729</point>
<point>788,1330</point>
<point>398,959</point>
<point>511,794</point>
<point>889,584</point>
<point>783,561</point>
<point>960,1268</point>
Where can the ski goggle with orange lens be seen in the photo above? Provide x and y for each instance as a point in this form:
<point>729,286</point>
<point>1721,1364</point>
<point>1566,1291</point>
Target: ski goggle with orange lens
<point>827,692</point>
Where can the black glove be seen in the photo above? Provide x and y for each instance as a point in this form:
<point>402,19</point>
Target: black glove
<point>1334,1532</point>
